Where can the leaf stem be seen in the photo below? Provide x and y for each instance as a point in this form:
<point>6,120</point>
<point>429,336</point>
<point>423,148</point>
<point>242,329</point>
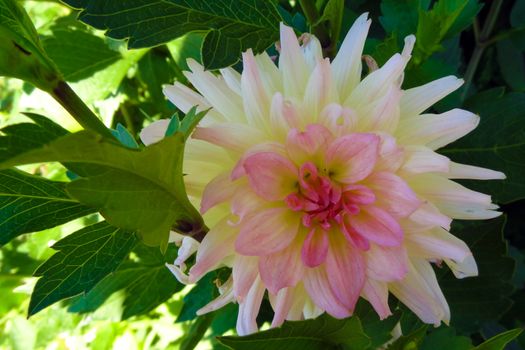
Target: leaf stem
<point>480,46</point>
<point>312,16</point>
<point>63,93</point>
<point>197,331</point>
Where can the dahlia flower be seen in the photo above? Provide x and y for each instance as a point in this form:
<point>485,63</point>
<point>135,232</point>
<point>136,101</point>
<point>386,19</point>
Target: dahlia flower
<point>321,187</point>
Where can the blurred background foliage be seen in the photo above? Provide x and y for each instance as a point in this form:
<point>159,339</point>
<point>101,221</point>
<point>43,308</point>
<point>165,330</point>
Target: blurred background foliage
<point>142,306</point>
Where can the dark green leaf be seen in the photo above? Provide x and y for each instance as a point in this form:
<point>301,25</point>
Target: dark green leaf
<point>323,333</point>
<point>410,341</point>
<point>77,53</point>
<point>434,25</point>
<point>511,61</point>
<point>82,259</point>
<point>497,143</point>
<point>19,138</point>
<point>200,295</point>
<point>445,338</point>
<point>232,26</point>
<point>499,341</point>
<point>493,285</point>
<point>378,330</point>
<point>30,203</point>
<point>465,18</point>
<point>146,283</point>
<point>517,15</point>
<point>140,191</point>
<point>401,16</point>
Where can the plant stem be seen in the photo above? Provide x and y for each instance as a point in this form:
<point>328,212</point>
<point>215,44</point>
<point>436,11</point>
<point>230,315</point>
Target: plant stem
<point>312,16</point>
<point>197,331</point>
<point>480,46</point>
<point>63,93</point>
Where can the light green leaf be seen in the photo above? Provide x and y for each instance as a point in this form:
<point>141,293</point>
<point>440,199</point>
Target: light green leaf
<point>78,53</point>
<point>30,203</point>
<point>491,288</point>
<point>497,143</point>
<point>82,259</point>
<point>21,54</point>
<point>499,341</point>
<point>231,26</point>
<point>140,191</point>
<point>323,333</point>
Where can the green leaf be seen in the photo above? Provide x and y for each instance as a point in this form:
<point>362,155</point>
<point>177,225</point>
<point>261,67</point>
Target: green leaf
<point>511,61</point>
<point>517,15</point>
<point>197,297</point>
<point>401,16</point>
<point>30,203</point>
<point>445,338</point>
<point>145,281</point>
<point>493,285</point>
<point>378,330</point>
<point>410,341</point>
<point>231,26</point>
<point>140,191</point>
<point>499,341</point>
<point>434,25</point>
<point>19,138</point>
<point>77,53</point>
<point>82,259</point>
<point>333,14</point>
<point>21,54</point>
<point>465,18</point>
<point>323,333</point>
<point>497,143</point>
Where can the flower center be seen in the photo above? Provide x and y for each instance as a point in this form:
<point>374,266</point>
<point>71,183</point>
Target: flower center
<point>323,201</point>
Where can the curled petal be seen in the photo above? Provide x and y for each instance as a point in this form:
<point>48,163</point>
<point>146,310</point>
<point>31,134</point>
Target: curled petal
<point>218,190</point>
<point>282,269</point>
<point>378,226</point>
<point>416,100</point>
<point>244,272</point>
<point>267,232</point>
<point>421,293</point>
<point>347,64</point>
<point>271,175</point>
<point>346,267</point>
<point>223,299</point>
<point>249,308</point>
<point>287,304</point>
<point>315,248</point>
<point>437,130</point>
<point>352,158</point>
<point>216,246</point>
<point>232,136</point>
<point>303,146</point>
<point>464,171</point>
<point>154,132</point>
<point>292,64</point>
<point>376,292</point>
<point>386,263</point>
<point>393,194</point>
<point>316,283</point>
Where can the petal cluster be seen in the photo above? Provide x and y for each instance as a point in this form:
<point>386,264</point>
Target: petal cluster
<point>321,187</point>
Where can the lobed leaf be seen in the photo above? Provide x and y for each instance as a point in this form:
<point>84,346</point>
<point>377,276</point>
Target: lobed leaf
<point>31,203</point>
<point>322,333</point>
<point>82,259</point>
<point>231,26</point>
<point>497,143</point>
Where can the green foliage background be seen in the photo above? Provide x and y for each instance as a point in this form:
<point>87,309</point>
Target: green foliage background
<point>88,283</point>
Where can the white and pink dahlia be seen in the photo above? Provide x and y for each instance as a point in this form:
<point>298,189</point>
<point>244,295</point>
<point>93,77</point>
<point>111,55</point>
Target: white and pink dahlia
<point>321,187</point>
